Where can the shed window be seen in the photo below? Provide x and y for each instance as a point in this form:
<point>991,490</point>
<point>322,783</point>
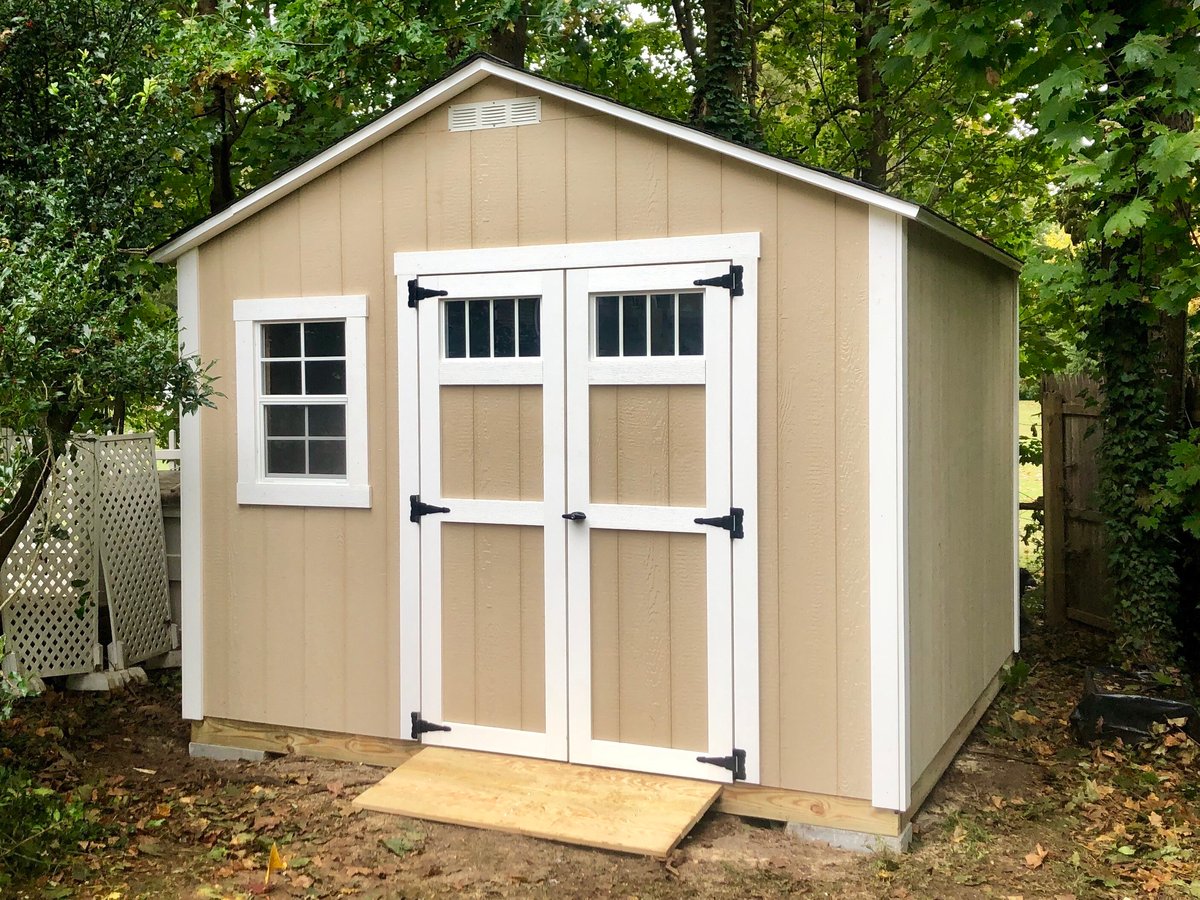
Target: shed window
<point>302,401</point>
<point>493,328</point>
<point>649,324</point>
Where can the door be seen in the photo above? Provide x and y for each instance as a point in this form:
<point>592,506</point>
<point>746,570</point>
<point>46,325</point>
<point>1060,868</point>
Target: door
<point>648,453</point>
<point>492,605</point>
<point>573,427</point>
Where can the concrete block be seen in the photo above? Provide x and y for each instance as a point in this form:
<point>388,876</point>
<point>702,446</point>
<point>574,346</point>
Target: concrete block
<point>858,841</point>
<point>225,754</point>
<point>108,680</point>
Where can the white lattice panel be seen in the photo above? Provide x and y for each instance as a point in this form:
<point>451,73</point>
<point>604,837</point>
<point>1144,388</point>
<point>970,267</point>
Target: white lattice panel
<point>51,575</point>
<point>132,548</point>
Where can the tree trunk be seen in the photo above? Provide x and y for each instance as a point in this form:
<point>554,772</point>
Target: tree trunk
<point>220,151</point>
<point>509,40</point>
<point>872,93</point>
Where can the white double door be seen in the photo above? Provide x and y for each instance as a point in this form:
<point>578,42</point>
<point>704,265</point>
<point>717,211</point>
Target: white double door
<point>574,424</point>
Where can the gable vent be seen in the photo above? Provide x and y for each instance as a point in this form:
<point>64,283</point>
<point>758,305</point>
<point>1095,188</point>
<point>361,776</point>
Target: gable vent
<point>496,114</point>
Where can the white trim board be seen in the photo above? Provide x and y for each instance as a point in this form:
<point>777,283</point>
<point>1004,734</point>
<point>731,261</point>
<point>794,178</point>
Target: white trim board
<point>477,70</point>
<point>191,496</point>
<point>891,778</point>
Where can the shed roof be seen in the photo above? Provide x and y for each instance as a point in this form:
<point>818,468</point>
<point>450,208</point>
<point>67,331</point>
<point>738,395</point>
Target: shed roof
<point>479,67</point>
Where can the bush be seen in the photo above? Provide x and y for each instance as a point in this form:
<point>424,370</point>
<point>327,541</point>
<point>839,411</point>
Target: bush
<point>38,828</point>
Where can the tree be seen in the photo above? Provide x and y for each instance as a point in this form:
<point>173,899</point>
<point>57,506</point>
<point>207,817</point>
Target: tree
<point>1116,88</point>
<point>85,327</point>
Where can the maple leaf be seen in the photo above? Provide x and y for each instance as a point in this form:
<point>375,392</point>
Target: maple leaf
<point>1035,857</point>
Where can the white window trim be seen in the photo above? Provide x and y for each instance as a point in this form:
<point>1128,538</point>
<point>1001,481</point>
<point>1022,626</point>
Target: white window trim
<point>253,488</point>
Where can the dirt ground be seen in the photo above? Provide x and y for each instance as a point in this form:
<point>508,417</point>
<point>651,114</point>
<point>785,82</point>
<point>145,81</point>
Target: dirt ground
<point>1023,812</point>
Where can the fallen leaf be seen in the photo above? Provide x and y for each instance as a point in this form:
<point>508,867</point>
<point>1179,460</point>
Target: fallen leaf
<point>1155,819</point>
<point>959,835</point>
<point>997,801</point>
<point>1035,857</point>
<point>146,771</point>
<point>1025,718</point>
<point>162,810</point>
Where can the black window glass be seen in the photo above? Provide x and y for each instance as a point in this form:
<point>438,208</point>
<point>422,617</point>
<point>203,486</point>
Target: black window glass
<point>324,339</point>
<point>662,325</point>
<point>456,329</point>
<point>608,334</point>
<point>325,377</point>
<point>327,421</point>
<point>285,421</point>
<point>285,457</point>
<point>691,324</point>
<point>281,378</point>
<point>479,330</point>
<point>281,340</point>
<point>634,325</point>
<point>327,457</point>
<point>504,328</point>
<point>529,326</point>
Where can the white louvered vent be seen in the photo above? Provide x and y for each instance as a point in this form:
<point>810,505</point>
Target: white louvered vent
<point>496,114</point>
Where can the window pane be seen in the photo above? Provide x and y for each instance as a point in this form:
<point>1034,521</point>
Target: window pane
<point>456,329</point>
<point>479,332</point>
<point>634,326</point>
<point>282,339</point>
<point>504,331</point>
<point>327,457</point>
<point>325,377</point>
<point>285,421</point>
<point>662,325</point>
<point>325,339</point>
<point>327,421</point>
<point>608,335</point>
<point>285,457</point>
<point>691,324</point>
<point>530,326</point>
<point>281,378</point>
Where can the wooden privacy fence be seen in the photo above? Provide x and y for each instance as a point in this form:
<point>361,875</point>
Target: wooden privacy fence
<point>1076,573</point>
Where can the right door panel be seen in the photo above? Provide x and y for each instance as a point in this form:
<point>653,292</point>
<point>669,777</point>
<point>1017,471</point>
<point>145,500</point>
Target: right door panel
<point>648,452</point>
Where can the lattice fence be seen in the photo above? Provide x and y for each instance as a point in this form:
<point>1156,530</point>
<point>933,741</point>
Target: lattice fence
<point>133,549</point>
<point>51,575</point>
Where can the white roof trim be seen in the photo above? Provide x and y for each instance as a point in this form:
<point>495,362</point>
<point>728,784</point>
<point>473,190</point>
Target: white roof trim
<point>472,74</point>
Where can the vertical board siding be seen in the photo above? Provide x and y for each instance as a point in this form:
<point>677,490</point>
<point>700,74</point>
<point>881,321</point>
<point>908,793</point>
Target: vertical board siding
<point>492,442</point>
<point>325,584</point>
<point>492,626</point>
<point>649,682</point>
<point>961,490</point>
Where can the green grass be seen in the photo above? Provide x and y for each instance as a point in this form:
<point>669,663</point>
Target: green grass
<point>1031,476</point>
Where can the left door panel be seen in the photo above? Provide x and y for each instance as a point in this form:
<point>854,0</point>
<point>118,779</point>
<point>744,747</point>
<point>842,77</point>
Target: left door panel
<point>493,568</point>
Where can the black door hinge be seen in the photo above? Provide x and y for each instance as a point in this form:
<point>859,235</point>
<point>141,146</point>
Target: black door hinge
<point>731,281</point>
<point>416,293</point>
<point>731,523</point>
<point>416,508</point>
<point>735,764</point>
<point>420,726</point>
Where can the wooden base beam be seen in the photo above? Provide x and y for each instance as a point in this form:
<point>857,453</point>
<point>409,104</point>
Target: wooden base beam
<point>750,800</point>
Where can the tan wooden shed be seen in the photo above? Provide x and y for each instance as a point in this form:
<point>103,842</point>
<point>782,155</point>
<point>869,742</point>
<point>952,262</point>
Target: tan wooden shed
<point>589,436</point>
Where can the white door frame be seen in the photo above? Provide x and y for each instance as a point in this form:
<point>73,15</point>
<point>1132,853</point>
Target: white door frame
<point>742,249</point>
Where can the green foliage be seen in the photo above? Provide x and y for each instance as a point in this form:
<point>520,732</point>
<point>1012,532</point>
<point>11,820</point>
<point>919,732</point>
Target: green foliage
<point>1178,490</point>
<point>38,828</point>
<point>13,686</point>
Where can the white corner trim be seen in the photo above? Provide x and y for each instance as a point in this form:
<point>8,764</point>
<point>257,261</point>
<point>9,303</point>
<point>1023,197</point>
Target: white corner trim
<point>191,495</point>
<point>253,487</point>
<point>408,476</point>
<point>891,778</point>
<point>598,254</point>
<point>472,74</point>
<point>1016,441</point>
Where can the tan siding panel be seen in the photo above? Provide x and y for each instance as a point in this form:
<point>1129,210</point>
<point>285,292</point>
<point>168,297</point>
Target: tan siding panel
<point>448,209</point>
<point>458,622</point>
<point>606,630</point>
<point>493,187</point>
<point>492,441</point>
<point>689,642</point>
<point>458,440</point>
<point>641,165</point>
<point>499,600</point>
<point>644,636</point>
<point>533,630</point>
<point>542,181</point>
<point>961,491</point>
<point>808,550</point>
<point>591,179</point>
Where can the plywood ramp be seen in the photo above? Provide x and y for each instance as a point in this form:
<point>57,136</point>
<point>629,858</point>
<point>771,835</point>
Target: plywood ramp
<point>606,808</point>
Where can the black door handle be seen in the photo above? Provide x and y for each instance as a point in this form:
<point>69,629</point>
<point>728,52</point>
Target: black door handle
<point>575,516</point>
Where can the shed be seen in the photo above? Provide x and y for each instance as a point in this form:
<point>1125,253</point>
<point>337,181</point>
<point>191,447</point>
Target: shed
<point>589,436</point>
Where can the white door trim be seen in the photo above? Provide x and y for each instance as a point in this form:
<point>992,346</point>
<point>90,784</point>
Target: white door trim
<point>651,251</point>
<point>581,285</point>
<point>421,424</point>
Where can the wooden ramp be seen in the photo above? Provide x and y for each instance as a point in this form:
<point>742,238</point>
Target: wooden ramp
<point>615,810</point>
